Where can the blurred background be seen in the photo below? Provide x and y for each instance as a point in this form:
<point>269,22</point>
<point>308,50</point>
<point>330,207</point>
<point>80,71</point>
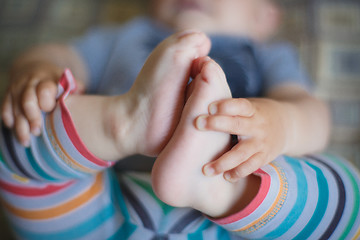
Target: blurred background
<point>326,32</point>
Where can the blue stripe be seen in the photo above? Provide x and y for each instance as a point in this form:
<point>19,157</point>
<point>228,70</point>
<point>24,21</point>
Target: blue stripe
<point>50,159</point>
<point>36,167</point>
<point>341,200</point>
<point>185,221</point>
<point>80,230</point>
<point>138,208</point>
<point>320,207</point>
<point>302,195</point>
<point>11,149</point>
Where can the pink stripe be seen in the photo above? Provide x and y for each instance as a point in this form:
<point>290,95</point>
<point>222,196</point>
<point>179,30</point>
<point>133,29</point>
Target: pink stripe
<point>254,204</point>
<point>30,191</point>
<point>70,127</point>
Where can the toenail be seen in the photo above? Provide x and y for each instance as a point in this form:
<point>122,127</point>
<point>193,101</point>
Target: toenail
<point>201,122</point>
<point>209,171</point>
<point>186,33</point>
<point>213,109</point>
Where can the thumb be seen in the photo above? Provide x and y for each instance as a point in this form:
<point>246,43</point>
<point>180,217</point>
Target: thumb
<point>46,92</point>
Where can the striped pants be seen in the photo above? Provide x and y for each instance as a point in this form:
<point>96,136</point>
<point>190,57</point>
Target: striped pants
<point>56,189</point>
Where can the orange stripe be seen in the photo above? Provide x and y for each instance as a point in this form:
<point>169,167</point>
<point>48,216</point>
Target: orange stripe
<point>357,236</point>
<point>68,159</point>
<point>282,188</point>
<point>61,209</point>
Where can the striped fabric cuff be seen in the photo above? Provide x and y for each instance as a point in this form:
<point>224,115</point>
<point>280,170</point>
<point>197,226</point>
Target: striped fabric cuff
<point>63,136</point>
<point>316,197</point>
<point>264,207</point>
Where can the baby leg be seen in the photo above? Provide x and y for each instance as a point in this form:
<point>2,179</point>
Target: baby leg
<point>142,120</point>
<point>177,174</point>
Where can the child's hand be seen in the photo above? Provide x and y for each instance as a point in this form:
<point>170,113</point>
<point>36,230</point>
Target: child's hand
<point>32,89</point>
<point>262,132</point>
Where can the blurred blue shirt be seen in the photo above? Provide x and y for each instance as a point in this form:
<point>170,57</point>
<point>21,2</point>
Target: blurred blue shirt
<point>114,56</point>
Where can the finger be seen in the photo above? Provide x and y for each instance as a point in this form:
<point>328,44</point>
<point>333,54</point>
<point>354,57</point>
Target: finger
<point>231,159</point>
<point>80,87</point>
<point>245,169</point>
<point>21,125</point>
<point>31,110</point>
<point>233,107</point>
<point>7,113</point>
<point>227,124</point>
<point>22,130</point>
<point>46,92</point>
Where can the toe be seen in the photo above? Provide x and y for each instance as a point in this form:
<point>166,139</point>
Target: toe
<point>189,45</point>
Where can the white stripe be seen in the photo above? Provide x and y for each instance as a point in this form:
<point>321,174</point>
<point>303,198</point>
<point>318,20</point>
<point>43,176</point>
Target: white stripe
<point>59,162</point>
<point>349,203</point>
<point>24,162</point>
<point>42,163</point>
<point>7,157</point>
<point>264,206</point>
<point>310,205</point>
<point>107,229</point>
<point>67,144</point>
<point>48,201</point>
<point>65,221</point>
<point>286,208</point>
<point>141,233</point>
<point>333,201</point>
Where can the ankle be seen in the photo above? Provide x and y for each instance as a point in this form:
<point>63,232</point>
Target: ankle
<point>120,125</point>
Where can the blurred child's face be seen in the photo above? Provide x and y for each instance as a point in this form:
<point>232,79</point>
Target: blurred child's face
<point>239,17</point>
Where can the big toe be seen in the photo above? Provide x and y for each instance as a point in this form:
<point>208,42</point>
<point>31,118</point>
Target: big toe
<point>209,85</point>
<point>186,45</point>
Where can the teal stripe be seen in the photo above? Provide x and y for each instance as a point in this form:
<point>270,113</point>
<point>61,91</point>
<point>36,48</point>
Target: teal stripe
<point>222,234</point>
<point>302,195</point>
<point>78,231</point>
<point>117,196</point>
<point>50,159</point>
<point>36,167</point>
<point>124,232</point>
<point>321,206</point>
<point>2,159</point>
<point>354,185</point>
<point>197,235</point>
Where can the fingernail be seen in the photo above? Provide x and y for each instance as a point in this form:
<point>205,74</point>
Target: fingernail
<point>186,33</point>
<point>36,131</point>
<point>26,143</point>
<point>201,122</point>
<point>228,177</point>
<point>8,120</point>
<point>213,109</point>
<point>209,171</point>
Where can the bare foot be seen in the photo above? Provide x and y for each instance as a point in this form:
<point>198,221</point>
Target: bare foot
<point>160,86</point>
<point>142,120</point>
<point>177,174</point>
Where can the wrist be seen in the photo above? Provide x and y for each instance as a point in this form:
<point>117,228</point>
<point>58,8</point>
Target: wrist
<point>288,121</point>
